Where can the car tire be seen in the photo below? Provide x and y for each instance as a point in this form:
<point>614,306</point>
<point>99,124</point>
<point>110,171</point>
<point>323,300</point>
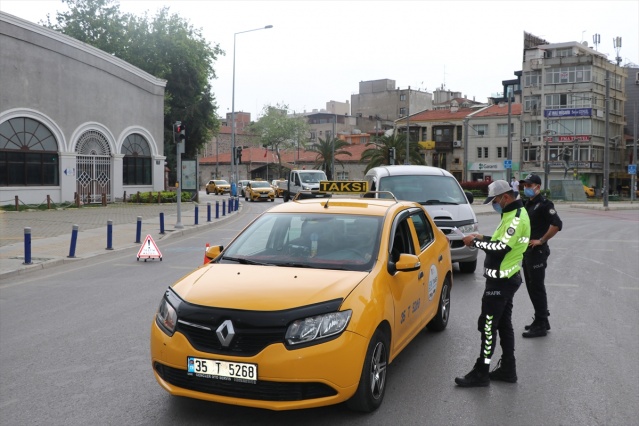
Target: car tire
<point>207,192</point>
<point>372,383</point>
<point>286,196</point>
<point>440,321</point>
<point>468,267</point>
<point>245,198</point>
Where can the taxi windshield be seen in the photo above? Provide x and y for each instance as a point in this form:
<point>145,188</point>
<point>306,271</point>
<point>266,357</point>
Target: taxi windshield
<point>322,241</point>
<point>426,189</point>
<point>220,182</point>
<point>260,185</point>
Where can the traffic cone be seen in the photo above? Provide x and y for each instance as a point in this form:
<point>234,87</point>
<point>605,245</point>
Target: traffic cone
<point>206,259</point>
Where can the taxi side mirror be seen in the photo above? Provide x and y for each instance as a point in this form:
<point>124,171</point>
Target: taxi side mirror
<point>406,263</point>
<point>213,252</point>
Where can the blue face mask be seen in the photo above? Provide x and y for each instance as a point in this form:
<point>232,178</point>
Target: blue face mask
<point>497,207</point>
<point>529,192</point>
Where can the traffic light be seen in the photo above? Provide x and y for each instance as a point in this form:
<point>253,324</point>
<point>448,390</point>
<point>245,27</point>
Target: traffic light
<point>179,131</point>
<point>238,155</point>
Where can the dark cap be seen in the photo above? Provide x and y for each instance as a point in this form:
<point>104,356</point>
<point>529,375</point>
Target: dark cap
<point>532,179</point>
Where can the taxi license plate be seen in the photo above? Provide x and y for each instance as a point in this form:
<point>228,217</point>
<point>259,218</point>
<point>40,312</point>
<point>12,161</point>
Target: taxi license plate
<point>263,195</point>
<point>224,370</point>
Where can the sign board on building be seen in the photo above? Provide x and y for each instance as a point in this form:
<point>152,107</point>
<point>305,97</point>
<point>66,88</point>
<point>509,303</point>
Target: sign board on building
<point>632,169</point>
<point>568,112</point>
<point>486,166</point>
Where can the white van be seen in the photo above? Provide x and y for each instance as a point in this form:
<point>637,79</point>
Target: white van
<point>444,199</point>
<point>303,180</point>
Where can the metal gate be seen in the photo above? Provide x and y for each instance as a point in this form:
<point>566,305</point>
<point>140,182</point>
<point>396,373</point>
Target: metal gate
<point>93,176</point>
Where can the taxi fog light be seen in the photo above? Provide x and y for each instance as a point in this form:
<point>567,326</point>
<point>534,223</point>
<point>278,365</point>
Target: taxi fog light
<point>318,327</point>
<point>166,317</point>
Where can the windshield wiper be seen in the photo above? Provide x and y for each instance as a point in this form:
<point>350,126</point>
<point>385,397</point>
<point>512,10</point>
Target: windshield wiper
<point>295,265</point>
<point>244,261</point>
<point>429,202</point>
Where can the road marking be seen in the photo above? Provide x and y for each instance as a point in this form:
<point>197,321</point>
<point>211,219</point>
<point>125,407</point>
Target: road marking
<point>628,288</point>
<point>563,285</point>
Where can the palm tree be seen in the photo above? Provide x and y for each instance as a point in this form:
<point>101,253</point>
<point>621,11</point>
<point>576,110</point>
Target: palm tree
<point>378,154</point>
<point>324,149</point>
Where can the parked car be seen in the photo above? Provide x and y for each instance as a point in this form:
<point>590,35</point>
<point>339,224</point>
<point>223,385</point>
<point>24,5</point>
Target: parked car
<point>351,281</point>
<point>590,192</point>
<point>218,187</point>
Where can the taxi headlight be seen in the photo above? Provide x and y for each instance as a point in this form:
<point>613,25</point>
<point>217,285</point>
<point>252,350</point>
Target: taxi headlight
<point>166,317</point>
<point>468,229</point>
<point>318,327</point>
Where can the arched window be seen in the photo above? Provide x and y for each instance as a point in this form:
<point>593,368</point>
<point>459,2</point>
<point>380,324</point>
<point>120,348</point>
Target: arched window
<point>28,154</point>
<point>136,169</point>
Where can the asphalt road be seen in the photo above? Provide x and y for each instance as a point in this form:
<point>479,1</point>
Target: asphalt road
<point>74,342</point>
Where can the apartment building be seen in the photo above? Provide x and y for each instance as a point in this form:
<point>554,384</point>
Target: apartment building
<point>565,123</point>
<point>381,102</point>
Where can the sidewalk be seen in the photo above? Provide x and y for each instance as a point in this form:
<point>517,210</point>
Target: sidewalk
<point>51,230</point>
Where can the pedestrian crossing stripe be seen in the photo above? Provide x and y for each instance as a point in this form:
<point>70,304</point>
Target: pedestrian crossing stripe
<point>149,249</point>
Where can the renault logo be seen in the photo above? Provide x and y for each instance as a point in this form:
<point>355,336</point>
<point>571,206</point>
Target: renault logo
<point>225,333</point>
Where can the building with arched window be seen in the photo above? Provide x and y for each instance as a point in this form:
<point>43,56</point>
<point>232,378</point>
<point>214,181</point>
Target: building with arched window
<point>74,119</point>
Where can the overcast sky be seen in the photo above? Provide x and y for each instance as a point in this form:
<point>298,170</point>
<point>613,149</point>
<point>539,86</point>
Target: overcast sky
<point>319,51</point>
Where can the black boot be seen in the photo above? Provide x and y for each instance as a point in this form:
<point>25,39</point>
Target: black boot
<point>477,377</point>
<point>537,329</point>
<point>506,371</point>
<point>537,319</point>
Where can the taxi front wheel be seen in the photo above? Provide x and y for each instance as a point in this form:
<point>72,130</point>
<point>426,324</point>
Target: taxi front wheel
<point>372,383</point>
<point>440,320</point>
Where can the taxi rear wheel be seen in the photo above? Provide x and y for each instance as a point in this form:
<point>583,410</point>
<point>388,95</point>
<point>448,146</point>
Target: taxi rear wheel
<point>372,383</point>
<point>468,267</point>
<point>440,321</point>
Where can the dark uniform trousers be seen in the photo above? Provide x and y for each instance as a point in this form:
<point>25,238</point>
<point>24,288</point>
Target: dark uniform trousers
<point>534,266</point>
<point>496,316</point>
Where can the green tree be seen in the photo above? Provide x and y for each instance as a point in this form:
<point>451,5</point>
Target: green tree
<point>279,131</point>
<point>378,153</point>
<point>324,149</point>
<point>166,46</point>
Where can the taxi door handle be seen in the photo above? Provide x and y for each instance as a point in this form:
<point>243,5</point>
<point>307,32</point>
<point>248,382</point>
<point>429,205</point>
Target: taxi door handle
<point>441,258</point>
<point>420,275</point>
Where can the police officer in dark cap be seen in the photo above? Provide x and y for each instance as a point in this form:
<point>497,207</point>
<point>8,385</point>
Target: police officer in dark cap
<point>544,224</point>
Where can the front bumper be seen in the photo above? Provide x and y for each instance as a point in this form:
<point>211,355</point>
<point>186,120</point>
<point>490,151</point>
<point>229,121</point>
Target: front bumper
<point>319,375</point>
<point>258,197</point>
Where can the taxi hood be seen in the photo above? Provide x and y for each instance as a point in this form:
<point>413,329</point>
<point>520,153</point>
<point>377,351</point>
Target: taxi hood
<point>264,288</point>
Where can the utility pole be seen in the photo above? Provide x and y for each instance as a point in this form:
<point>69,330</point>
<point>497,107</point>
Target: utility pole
<point>509,157</point>
<point>406,160</point>
<point>635,137</point>
<point>606,170</point>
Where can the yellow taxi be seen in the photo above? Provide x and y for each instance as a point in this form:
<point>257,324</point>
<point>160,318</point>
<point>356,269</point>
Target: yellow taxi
<point>590,192</point>
<point>306,307</point>
<point>218,187</point>
<point>279,185</point>
<point>259,190</point>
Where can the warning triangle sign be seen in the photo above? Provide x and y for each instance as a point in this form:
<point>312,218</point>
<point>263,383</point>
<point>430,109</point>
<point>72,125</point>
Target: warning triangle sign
<point>149,249</point>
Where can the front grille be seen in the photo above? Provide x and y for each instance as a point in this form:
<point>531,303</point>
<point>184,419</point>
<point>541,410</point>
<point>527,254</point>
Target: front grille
<point>247,341</point>
<point>262,390</point>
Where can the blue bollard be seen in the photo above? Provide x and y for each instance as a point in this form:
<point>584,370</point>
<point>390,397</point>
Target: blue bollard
<point>217,209</point>
<point>74,240</point>
<point>109,235</point>
<point>223,207</point>
<point>237,203</point>
<point>27,246</point>
<point>196,214</point>
<point>138,231</point>
<point>230,204</point>
<point>208,211</point>
<point>162,223</point>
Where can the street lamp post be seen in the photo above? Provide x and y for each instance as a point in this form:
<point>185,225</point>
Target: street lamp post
<point>233,169</point>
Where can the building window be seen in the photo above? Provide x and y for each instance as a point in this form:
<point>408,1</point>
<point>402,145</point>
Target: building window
<point>480,129</point>
<point>313,136</point>
<point>502,152</point>
<point>482,152</point>
<point>532,79</point>
<point>570,126</point>
<point>136,164</point>
<point>28,154</point>
<point>562,75</point>
<point>342,175</point>
<point>531,104</point>
<point>502,129</point>
<point>563,53</point>
<point>402,112</point>
<point>532,154</point>
<point>402,97</point>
